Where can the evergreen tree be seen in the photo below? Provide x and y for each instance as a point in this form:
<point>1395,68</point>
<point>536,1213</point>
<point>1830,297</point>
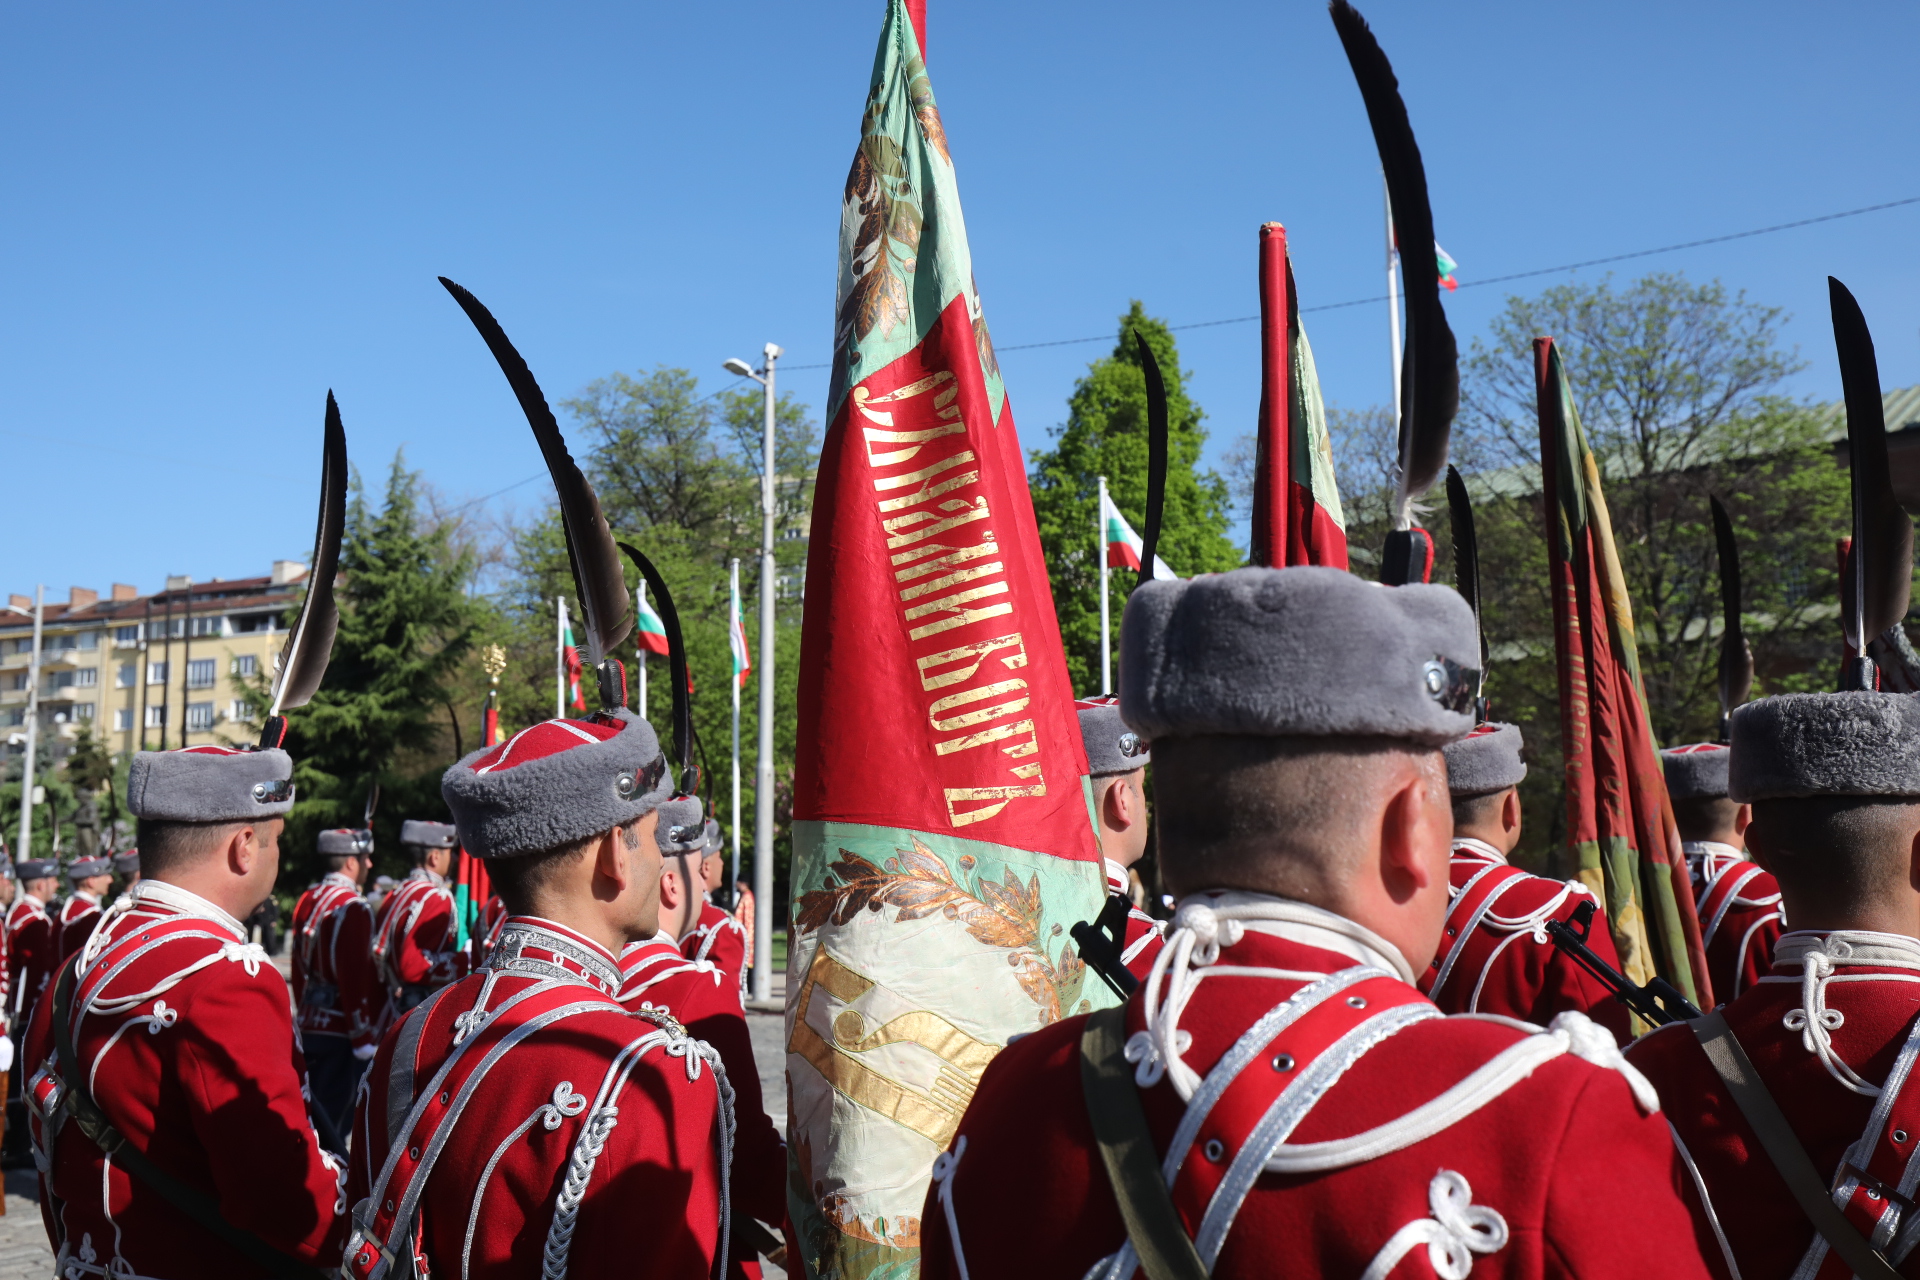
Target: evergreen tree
<point>1106,435</point>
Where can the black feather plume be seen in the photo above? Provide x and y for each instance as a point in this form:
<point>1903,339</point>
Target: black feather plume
<point>1736,657</point>
<point>303,660</point>
<point>1157,427</point>
<point>1430,370</point>
<point>676,669</point>
<point>598,582</point>
<point>1876,590</point>
<point>1466,556</point>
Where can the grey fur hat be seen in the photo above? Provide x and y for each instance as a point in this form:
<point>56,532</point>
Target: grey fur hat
<point>127,863</point>
<point>80,868</point>
<point>1299,652</point>
<point>681,829</point>
<point>344,842</point>
<point>714,844</point>
<point>1112,748</point>
<point>1825,744</point>
<point>556,784</point>
<point>37,869</point>
<point>1697,771</point>
<point>210,784</point>
<point>429,835</point>
<point>1485,761</point>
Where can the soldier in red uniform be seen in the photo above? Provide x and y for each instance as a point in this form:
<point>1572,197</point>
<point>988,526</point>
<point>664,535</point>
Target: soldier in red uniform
<point>33,945</point>
<point>127,867</point>
<point>1738,903</point>
<point>1495,956</point>
<point>705,999</point>
<point>1117,759</point>
<point>1829,1033</point>
<point>514,1123</point>
<point>415,943</point>
<point>183,1047</point>
<point>80,913</point>
<point>335,986</point>
<point>1278,1097</point>
<point>716,937</point>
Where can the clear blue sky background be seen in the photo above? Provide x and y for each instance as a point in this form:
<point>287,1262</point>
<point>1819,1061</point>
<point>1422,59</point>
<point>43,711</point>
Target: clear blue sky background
<point>213,213</point>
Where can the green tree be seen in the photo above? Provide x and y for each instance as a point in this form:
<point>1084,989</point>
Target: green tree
<point>1106,435</point>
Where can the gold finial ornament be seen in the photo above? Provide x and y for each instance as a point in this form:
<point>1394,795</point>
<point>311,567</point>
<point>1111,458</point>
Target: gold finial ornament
<point>493,660</point>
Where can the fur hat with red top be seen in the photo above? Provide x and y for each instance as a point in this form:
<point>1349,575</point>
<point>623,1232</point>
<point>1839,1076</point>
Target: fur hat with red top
<point>1485,761</point>
<point>210,784</point>
<point>1112,748</point>
<point>1697,771</point>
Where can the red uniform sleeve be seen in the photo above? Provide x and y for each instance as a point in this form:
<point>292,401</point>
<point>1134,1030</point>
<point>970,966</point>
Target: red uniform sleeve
<point>242,1078</point>
<point>362,995</point>
<point>426,953</point>
<point>759,1154</point>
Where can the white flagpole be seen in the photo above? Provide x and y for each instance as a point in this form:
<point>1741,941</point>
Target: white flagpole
<point>640,659</point>
<point>1106,625</point>
<point>733,628</point>
<point>1393,301</point>
<point>560,660</point>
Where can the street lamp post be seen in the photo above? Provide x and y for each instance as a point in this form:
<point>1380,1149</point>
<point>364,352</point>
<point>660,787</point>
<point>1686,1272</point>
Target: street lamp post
<point>33,718</point>
<point>763,769</point>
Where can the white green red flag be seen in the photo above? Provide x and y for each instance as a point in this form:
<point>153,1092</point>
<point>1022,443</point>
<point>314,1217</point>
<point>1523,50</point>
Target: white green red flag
<point>1123,544</point>
<point>737,636</point>
<point>942,845</point>
<point>649,633</point>
<point>1446,266</point>
<point>1296,504</point>
<point>570,654</point>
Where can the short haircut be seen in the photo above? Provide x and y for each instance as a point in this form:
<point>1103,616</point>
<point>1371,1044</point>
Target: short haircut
<point>1834,854</point>
<point>338,861</point>
<point>520,879</point>
<point>1704,817</point>
<point>1277,815</point>
<point>1480,810</point>
<point>417,853</point>
<point>167,847</point>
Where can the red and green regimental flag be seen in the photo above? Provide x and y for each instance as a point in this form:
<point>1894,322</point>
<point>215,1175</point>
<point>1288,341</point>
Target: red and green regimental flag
<point>1296,505</point>
<point>1619,818</point>
<point>942,842</point>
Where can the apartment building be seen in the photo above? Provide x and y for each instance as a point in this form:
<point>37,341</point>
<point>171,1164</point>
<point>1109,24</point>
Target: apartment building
<point>145,672</point>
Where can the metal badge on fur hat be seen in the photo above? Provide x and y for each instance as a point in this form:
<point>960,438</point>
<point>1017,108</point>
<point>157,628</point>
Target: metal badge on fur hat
<point>344,842</point>
<point>1859,743</point>
<point>681,829</point>
<point>1304,652</point>
<point>210,784</point>
<point>1485,761</point>
<point>1697,771</point>
<point>81,868</point>
<point>1112,748</point>
<point>556,784</point>
<point>430,835</point>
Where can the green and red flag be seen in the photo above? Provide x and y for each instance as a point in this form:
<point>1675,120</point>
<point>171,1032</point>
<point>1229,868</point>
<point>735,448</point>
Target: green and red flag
<point>942,847</point>
<point>1619,818</point>
<point>649,633</point>
<point>1296,504</point>
<point>1123,544</point>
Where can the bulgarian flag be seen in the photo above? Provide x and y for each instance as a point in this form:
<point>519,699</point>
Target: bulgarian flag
<point>649,633</point>
<point>1124,545</point>
<point>737,637</point>
<point>1619,818</point>
<point>570,654</point>
<point>1447,266</point>
<point>1296,504</point>
<point>941,846</point>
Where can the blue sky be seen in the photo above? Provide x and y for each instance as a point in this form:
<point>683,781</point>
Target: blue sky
<point>214,213</point>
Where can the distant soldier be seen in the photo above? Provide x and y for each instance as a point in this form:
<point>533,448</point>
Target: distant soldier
<point>515,1123</point>
<point>33,945</point>
<point>1495,956</point>
<point>80,913</point>
<point>170,1043</point>
<point>377,892</point>
<point>335,986</point>
<point>415,943</point>
<point>127,867</point>
<point>716,936</point>
<point>1281,1099</point>
<point>1814,1061</point>
<point>705,999</point>
<point>1738,903</point>
<point>1117,758</point>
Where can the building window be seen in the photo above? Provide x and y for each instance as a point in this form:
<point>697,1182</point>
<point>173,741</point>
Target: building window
<point>239,711</point>
<point>16,680</point>
<point>89,639</point>
<point>82,711</point>
<point>124,677</point>
<point>123,720</point>
<point>56,644</point>
<point>208,626</point>
<point>157,717</point>
<point>199,717</point>
<point>126,637</point>
<point>156,673</point>
<point>200,675</point>
<point>23,646</point>
<point>87,677</point>
<point>14,716</point>
<point>246,665</point>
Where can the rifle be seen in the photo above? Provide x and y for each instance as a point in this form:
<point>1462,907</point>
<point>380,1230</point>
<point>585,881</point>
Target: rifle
<point>1103,941</point>
<point>1659,1002</point>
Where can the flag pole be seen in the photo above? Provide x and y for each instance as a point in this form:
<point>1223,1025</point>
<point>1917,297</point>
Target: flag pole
<point>560,659</point>
<point>733,624</point>
<point>1393,299</point>
<point>1100,551</point>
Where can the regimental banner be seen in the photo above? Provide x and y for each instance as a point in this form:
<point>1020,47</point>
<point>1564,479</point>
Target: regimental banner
<point>1619,818</point>
<point>943,843</point>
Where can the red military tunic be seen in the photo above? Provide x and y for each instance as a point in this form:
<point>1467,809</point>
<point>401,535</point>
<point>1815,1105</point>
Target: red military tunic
<point>1740,915</point>
<point>335,985</point>
<point>720,940</point>
<point>1144,934</point>
<point>564,1131</point>
<point>1557,1165</point>
<point>707,1003</point>
<point>33,953</point>
<point>1827,1028</point>
<point>186,1032</point>
<point>414,941</point>
<point>1495,956</point>
<point>79,916</point>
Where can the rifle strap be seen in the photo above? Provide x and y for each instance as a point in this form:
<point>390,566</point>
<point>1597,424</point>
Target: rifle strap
<point>192,1201</point>
<point>1126,1148</point>
<point>1790,1159</point>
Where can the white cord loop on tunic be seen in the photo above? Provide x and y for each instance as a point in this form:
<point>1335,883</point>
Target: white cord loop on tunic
<point>1819,957</point>
<point>945,1165</point>
<point>1458,1229</point>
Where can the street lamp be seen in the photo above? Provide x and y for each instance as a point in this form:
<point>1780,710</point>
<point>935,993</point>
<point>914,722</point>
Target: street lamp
<point>763,770</point>
<point>33,717</point>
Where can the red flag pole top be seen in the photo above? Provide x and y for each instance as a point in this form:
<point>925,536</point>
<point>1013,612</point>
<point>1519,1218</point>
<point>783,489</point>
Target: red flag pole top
<point>1273,448</point>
